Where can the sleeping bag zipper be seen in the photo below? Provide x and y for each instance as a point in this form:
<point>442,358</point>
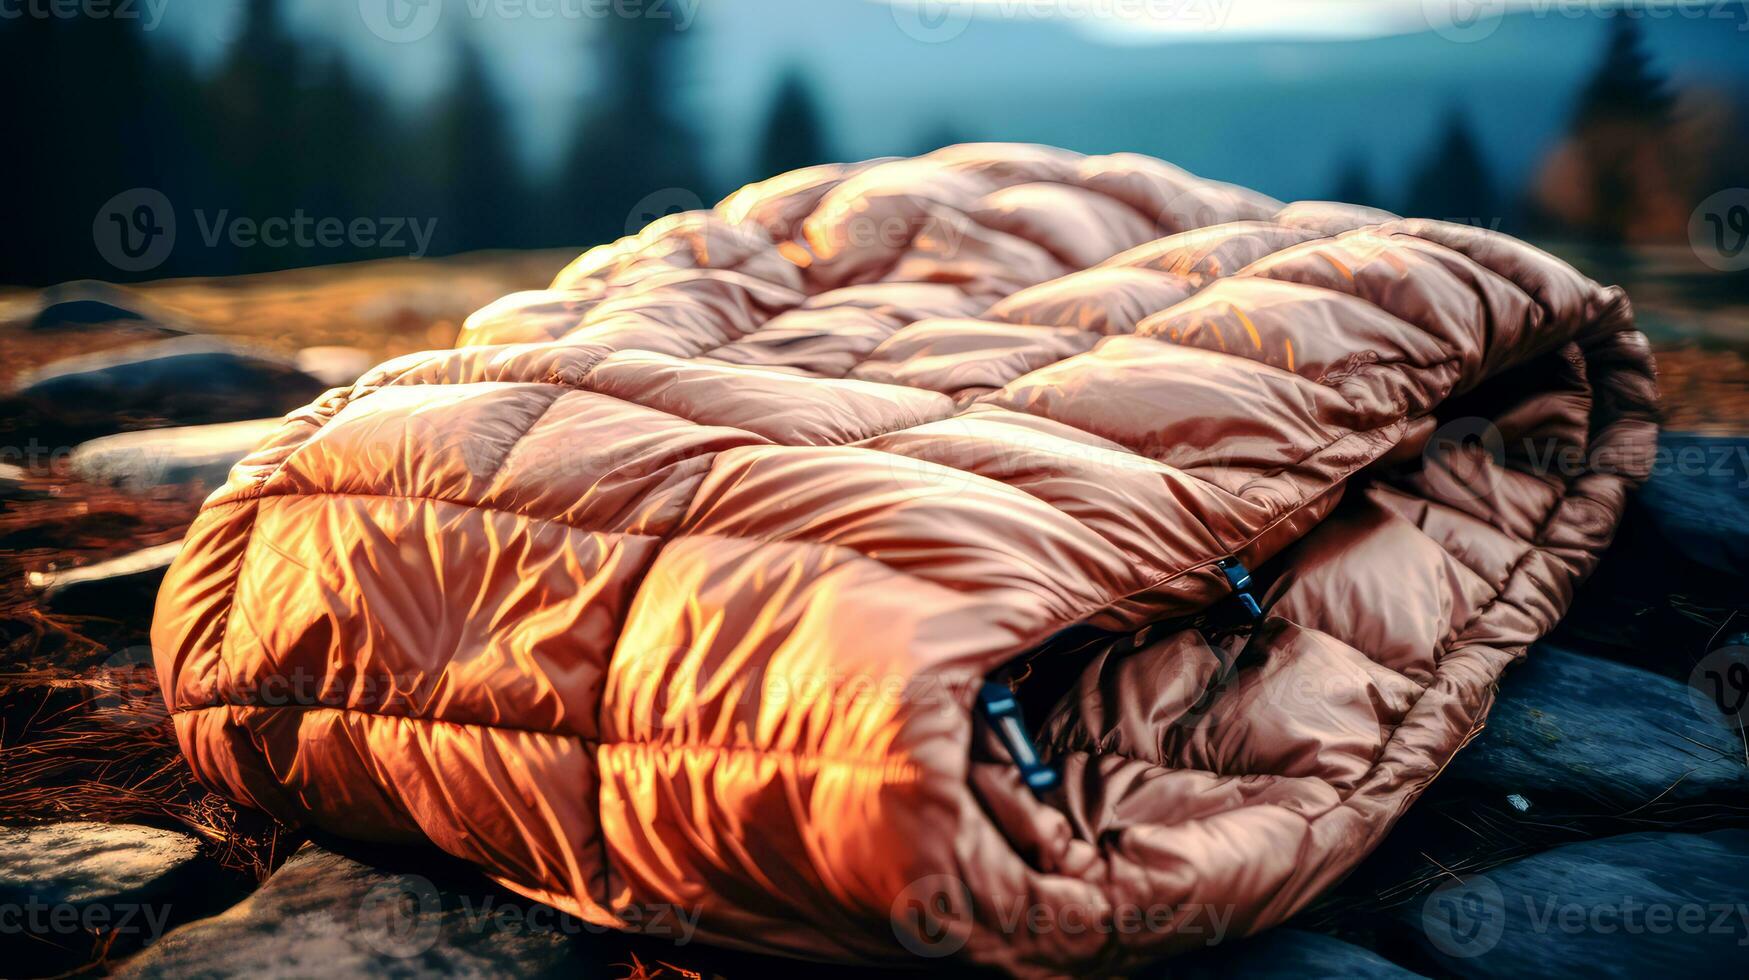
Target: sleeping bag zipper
<point>1000,704</point>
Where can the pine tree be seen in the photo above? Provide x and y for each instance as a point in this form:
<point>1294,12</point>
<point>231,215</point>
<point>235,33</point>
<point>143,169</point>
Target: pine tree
<point>630,142</point>
<point>1625,87</point>
<point>793,136</point>
<point>486,204</point>
<point>356,160</point>
<point>255,108</point>
<point>1623,112</point>
<point>88,115</point>
<point>1452,182</point>
<point>34,188</point>
<point>1353,183</point>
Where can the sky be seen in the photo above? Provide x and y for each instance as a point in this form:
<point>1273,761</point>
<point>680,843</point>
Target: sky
<point>1066,71</point>
<point>537,40</point>
<point>1155,21</point>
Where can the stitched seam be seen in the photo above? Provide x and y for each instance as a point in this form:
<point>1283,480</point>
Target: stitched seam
<point>592,744</point>
<point>498,468</point>
<point>236,583</point>
<point>410,497</point>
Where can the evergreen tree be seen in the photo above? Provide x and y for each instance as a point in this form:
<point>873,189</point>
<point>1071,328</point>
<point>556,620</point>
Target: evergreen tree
<point>1625,87</point>
<point>30,48</point>
<point>793,136</point>
<point>89,113</point>
<point>630,142</point>
<point>353,158</point>
<point>1452,182</point>
<point>1353,184</point>
<point>1623,112</point>
<point>255,112</point>
<point>485,199</point>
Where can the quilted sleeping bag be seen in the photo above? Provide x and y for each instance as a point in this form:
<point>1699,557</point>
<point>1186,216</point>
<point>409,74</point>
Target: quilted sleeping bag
<point>677,586</point>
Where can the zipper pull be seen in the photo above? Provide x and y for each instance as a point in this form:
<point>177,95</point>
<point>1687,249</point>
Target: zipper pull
<point>1239,578</point>
<point>1003,711</point>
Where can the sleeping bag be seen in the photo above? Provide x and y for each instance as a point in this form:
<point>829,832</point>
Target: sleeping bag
<point>1048,560</point>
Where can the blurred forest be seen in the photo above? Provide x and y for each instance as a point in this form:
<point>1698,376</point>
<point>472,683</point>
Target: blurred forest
<point>284,125</point>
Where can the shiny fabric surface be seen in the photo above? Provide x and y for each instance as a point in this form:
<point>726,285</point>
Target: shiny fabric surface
<point>673,585</point>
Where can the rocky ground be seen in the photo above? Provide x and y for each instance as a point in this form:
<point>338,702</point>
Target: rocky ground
<point>1598,825</point>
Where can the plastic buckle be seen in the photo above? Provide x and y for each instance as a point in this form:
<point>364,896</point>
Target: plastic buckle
<point>1003,710</point>
<point>1239,578</point>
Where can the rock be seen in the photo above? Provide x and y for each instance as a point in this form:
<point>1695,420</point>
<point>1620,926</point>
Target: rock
<point>1679,564</point>
<point>334,366</point>
<point>1698,498</point>
<point>110,587</point>
<point>1575,747</point>
<point>166,457</point>
<point>1570,732</point>
<point>1638,905</point>
<point>323,914</point>
<point>184,379</point>
<point>85,301</point>
<point>76,889</point>
<point>88,862</point>
<point>1283,954</point>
